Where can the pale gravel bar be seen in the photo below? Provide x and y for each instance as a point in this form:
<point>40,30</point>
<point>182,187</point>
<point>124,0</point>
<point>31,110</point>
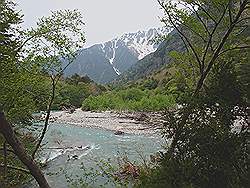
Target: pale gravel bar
<point>105,120</point>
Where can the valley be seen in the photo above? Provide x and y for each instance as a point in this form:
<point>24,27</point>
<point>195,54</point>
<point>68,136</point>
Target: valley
<point>156,106</point>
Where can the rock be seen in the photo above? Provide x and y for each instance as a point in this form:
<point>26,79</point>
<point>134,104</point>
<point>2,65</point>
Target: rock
<point>119,133</point>
<point>88,147</point>
<point>141,117</point>
<point>75,157</point>
<point>63,108</point>
<point>71,111</point>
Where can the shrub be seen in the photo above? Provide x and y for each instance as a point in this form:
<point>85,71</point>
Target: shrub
<point>133,99</point>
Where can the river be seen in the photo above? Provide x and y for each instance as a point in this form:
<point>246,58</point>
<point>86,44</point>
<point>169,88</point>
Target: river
<point>71,153</point>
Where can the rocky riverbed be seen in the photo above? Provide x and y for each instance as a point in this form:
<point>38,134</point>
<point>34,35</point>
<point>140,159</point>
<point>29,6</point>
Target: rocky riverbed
<point>128,123</point>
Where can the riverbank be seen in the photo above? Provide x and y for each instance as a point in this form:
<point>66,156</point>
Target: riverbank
<point>127,123</point>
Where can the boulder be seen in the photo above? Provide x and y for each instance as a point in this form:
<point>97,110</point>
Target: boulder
<point>141,117</point>
<point>119,132</point>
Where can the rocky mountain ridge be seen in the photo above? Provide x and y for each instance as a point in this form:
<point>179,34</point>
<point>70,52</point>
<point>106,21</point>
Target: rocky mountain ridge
<point>104,62</point>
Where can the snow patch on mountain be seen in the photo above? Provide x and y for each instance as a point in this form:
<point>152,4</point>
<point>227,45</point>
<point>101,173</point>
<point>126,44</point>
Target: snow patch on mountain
<point>139,43</point>
<point>116,71</point>
<point>105,61</point>
<point>113,47</point>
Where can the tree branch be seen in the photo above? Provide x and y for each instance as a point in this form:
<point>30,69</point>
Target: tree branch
<point>7,131</point>
<point>37,34</point>
<point>186,47</point>
<point>5,157</point>
<point>181,33</point>
<point>230,12</point>
<point>201,20</point>
<point>220,46</point>
<point>211,37</point>
<point>235,48</point>
<point>46,123</point>
<point>204,10</point>
<point>15,168</point>
<point>193,31</point>
<point>243,19</point>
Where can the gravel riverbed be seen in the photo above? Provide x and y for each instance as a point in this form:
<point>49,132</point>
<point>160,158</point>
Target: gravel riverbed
<point>129,123</point>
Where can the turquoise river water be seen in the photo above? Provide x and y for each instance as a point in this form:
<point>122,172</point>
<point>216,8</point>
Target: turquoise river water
<point>71,151</point>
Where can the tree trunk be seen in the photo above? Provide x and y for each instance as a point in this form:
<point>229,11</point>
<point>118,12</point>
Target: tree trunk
<point>19,150</point>
<point>5,157</point>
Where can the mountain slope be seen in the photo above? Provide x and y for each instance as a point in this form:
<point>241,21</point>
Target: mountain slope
<point>104,62</point>
<point>153,61</point>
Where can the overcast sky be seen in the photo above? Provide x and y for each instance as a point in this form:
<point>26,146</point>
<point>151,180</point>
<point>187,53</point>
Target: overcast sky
<point>104,19</point>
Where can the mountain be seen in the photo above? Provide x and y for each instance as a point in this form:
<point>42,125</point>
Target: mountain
<point>104,62</point>
<point>153,61</point>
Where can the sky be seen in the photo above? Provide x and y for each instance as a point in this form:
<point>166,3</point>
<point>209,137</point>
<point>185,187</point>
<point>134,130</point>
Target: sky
<point>104,19</point>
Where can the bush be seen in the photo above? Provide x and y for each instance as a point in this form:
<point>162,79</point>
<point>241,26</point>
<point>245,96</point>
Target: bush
<point>206,151</point>
<point>133,99</point>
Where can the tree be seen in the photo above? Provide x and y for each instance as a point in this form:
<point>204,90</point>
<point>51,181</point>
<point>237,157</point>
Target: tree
<point>214,28</point>
<point>209,30</point>
<point>52,47</point>
<point>206,149</point>
<point>26,58</point>
<point>14,102</point>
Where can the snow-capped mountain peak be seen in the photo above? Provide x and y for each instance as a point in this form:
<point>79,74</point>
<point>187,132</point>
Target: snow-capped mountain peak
<point>139,44</point>
<point>104,62</point>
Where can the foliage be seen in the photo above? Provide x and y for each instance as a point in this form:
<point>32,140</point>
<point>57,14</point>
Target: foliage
<point>13,177</point>
<point>103,173</point>
<point>133,99</point>
<point>73,90</point>
<point>211,151</point>
<point>16,84</point>
<point>208,131</point>
<point>210,80</point>
<point>120,171</point>
<point>209,30</point>
<point>15,97</point>
<point>150,84</point>
<point>55,39</point>
<point>76,79</point>
<point>26,60</point>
